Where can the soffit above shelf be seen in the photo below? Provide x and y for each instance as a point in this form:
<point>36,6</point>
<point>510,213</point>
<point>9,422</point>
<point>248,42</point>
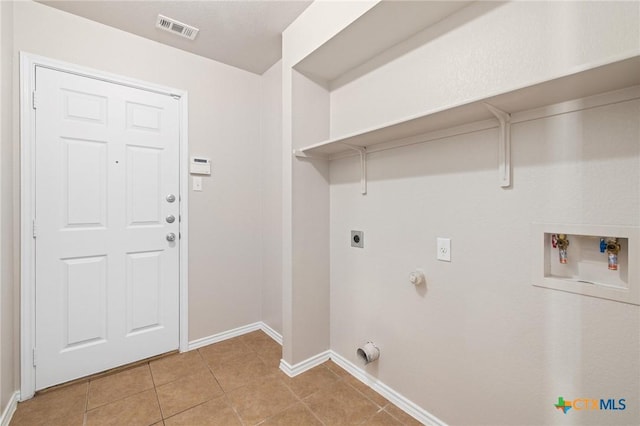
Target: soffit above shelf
<point>383,26</point>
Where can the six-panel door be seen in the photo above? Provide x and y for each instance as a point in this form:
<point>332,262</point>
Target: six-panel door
<point>107,157</point>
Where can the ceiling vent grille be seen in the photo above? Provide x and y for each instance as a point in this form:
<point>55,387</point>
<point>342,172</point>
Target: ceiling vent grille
<point>176,27</point>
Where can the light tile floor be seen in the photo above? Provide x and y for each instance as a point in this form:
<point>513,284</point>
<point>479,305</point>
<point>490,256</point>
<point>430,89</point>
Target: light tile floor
<point>234,382</point>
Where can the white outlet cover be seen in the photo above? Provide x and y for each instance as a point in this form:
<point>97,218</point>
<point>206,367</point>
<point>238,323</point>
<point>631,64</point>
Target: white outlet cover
<point>444,249</point>
<point>197,183</point>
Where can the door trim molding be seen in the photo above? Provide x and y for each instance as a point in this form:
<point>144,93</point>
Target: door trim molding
<point>28,64</point>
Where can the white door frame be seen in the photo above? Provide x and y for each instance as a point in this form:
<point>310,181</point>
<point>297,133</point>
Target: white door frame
<point>28,64</point>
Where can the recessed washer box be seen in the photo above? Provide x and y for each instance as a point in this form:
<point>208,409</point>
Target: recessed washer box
<point>586,270</point>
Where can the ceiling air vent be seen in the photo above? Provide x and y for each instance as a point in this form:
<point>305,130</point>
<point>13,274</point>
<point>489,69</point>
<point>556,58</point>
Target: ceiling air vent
<point>176,27</point>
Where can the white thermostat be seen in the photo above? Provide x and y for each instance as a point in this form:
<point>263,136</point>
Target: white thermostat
<point>200,166</point>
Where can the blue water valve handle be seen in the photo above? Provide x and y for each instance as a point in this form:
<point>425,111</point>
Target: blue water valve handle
<point>603,245</point>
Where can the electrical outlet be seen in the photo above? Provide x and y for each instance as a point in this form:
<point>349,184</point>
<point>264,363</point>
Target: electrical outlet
<point>444,249</point>
<point>357,239</point>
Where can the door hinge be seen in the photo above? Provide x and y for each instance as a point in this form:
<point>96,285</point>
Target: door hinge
<point>34,357</point>
<point>35,228</point>
<point>34,103</point>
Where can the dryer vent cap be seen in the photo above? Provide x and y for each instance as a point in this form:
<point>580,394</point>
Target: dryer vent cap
<point>176,27</point>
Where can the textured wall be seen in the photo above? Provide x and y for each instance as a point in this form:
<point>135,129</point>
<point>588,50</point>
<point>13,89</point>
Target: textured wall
<point>486,48</point>
<point>481,345</point>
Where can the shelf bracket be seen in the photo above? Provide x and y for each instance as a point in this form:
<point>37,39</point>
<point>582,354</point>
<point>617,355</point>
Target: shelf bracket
<point>504,145</point>
<point>363,165</point>
<point>301,154</point>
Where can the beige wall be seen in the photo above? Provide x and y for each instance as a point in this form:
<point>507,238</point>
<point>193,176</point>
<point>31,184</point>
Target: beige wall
<point>224,114</point>
<point>271,196</point>
<point>310,242</point>
<point>486,48</point>
<point>481,345</point>
<point>8,309</point>
<point>305,201</point>
<point>480,335</point>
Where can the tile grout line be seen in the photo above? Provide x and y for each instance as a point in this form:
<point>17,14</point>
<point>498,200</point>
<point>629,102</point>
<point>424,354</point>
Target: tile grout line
<point>210,370</point>
<point>369,399</point>
<point>224,392</point>
<point>302,400</point>
<point>120,398</point>
<point>155,390</point>
<point>313,413</point>
<point>226,397</point>
<point>275,414</point>
<point>380,410</point>
<point>86,404</point>
<point>275,376</point>
<point>392,416</point>
<point>257,355</point>
<point>307,405</point>
<point>188,408</point>
<point>343,379</point>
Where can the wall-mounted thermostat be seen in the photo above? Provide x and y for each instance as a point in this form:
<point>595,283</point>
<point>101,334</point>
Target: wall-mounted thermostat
<point>200,166</point>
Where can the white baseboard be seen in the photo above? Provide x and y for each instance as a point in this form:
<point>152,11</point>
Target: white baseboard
<point>10,409</point>
<point>229,334</point>
<point>408,406</point>
<point>307,364</point>
<point>398,399</point>
<point>271,332</point>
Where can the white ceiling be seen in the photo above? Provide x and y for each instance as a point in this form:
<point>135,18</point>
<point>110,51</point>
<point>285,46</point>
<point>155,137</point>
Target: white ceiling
<point>241,33</point>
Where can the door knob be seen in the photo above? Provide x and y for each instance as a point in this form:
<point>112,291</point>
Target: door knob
<point>171,198</point>
<point>171,236</point>
<point>170,219</point>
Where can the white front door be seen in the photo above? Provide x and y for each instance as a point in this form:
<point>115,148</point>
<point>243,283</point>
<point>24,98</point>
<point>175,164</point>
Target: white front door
<point>107,169</point>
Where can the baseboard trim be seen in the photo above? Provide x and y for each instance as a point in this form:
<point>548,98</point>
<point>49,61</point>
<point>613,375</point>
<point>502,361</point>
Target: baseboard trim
<point>10,409</point>
<point>229,334</point>
<point>307,364</point>
<point>408,406</point>
<point>219,337</point>
<point>405,404</point>
<point>271,332</point>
